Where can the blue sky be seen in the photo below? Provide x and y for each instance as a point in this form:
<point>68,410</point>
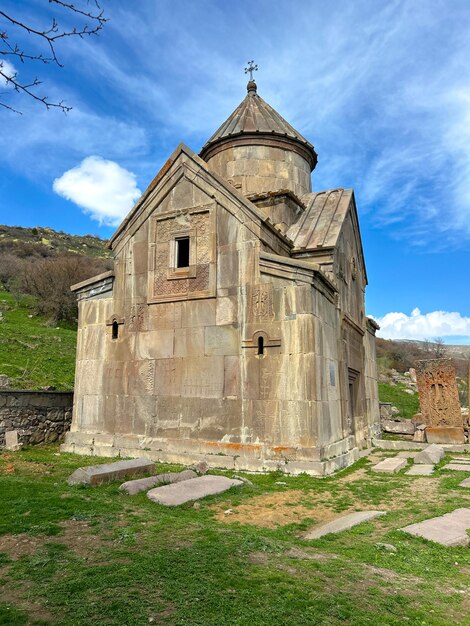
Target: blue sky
<point>381,88</point>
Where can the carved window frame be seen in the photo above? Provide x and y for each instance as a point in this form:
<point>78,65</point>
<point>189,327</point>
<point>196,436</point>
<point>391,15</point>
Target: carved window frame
<point>173,274</point>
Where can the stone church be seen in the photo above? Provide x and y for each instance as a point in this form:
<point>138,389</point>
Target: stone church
<point>232,328</point>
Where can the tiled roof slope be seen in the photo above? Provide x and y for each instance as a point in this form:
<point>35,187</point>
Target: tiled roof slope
<point>254,115</point>
<point>320,224</point>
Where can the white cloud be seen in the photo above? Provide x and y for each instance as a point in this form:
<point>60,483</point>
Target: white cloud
<point>9,70</point>
<point>423,325</point>
<point>102,188</point>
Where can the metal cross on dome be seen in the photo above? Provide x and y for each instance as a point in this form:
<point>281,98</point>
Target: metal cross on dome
<point>251,68</point>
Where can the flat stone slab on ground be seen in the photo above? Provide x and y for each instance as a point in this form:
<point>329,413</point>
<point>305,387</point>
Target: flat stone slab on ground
<point>393,464</point>
<point>343,523</point>
<point>194,489</point>
<point>420,470</point>
<point>458,467</point>
<point>448,530</point>
<point>465,483</point>
<point>407,454</point>
<point>144,484</point>
<point>430,455</point>
<point>107,472</point>
<point>460,460</point>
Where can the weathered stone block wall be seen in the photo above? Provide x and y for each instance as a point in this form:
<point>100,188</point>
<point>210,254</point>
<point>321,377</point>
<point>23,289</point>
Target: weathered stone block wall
<point>371,426</point>
<point>184,377</point>
<point>258,169</point>
<point>38,416</point>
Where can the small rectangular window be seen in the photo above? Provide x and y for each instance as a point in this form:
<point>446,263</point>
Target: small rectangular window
<point>182,252</point>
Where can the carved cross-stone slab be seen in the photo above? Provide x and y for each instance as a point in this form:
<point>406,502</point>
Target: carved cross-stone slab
<point>438,393</point>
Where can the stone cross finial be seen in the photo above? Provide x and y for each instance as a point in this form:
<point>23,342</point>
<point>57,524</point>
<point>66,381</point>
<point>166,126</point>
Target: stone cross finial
<point>251,68</point>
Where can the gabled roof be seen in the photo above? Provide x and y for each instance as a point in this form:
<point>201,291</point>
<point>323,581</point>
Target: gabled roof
<point>250,209</point>
<point>320,224</point>
<point>255,117</point>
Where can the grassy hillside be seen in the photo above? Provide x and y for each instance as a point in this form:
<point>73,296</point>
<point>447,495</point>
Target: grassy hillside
<point>40,241</point>
<point>407,404</point>
<point>33,354</point>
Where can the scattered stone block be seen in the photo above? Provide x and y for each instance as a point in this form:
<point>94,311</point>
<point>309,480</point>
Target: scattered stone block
<point>448,530</point>
<point>419,436</point>
<point>386,546</point>
<point>144,484</point>
<point>106,473</point>
<point>445,434</point>
<point>465,483</point>
<point>402,427</point>
<point>201,468</point>
<point>430,455</point>
<point>420,470</point>
<point>343,523</point>
<point>195,489</point>
<point>245,480</point>
<point>407,454</point>
<point>11,441</point>
<point>458,467</point>
<point>391,465</point>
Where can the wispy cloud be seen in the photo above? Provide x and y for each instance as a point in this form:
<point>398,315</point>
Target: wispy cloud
<point>41,143</point>
<point>381,89</point>
<point>424,325</point>
<point>102,188</point>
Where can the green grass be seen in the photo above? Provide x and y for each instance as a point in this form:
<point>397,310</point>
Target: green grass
<point>100,557</point>
<point>407,404</point>
<point>33,354</point>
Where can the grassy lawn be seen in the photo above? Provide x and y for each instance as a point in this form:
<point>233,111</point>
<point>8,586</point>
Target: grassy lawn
<point>407,404</point>
<point>80,556</point>
<point>33,354</point>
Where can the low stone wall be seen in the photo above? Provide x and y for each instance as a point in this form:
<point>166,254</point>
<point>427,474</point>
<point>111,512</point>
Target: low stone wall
<point>37,416</point>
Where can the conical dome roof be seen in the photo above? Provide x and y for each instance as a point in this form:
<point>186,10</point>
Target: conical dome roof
<point>255,121</point>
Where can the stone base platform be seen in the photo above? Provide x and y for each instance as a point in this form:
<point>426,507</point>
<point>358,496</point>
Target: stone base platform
<point>390,444</point>
<point>232,456</point>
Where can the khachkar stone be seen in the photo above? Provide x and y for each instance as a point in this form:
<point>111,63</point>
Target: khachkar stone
<point>438,393</point>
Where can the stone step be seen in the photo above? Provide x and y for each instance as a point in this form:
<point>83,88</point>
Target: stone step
<point>391,465</point>
<point>404,454</point>
<point>458,467</point>
<point>194,489</point>
<point>448,530</point>
<point>107,472</point>
<point>420,470</point>
<point>343,523</point>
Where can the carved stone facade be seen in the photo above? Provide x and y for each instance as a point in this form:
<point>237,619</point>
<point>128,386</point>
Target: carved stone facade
<point>232,328</point>
<point>438,393</point>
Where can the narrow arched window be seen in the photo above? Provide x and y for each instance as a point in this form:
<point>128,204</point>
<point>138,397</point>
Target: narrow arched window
<point>115,331</point>
<point>260,345</point>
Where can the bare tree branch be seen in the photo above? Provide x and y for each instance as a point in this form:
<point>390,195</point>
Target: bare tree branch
<point>94,22</point>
